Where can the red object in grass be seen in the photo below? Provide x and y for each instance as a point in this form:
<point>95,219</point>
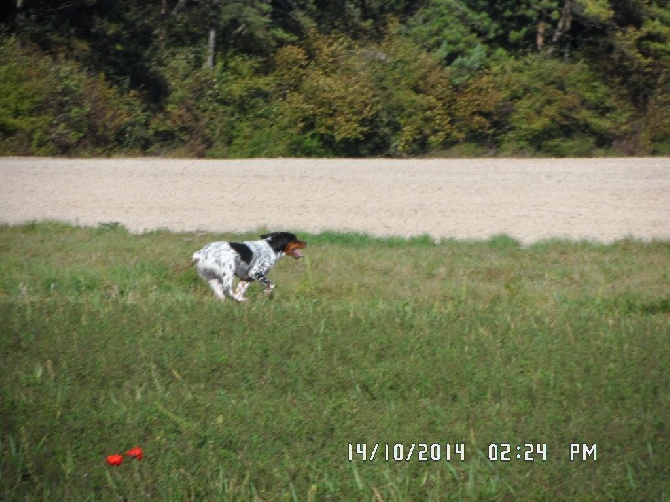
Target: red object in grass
<point>135,453</point>
<point>115,459</point>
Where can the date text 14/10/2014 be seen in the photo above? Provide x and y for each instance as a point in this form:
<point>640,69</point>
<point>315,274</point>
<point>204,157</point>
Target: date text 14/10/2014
<point>448,452</point>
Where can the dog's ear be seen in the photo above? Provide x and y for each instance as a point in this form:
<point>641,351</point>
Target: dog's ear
<point>278,240</point>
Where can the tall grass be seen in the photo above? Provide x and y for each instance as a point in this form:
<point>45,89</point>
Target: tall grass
<point>109,340</point>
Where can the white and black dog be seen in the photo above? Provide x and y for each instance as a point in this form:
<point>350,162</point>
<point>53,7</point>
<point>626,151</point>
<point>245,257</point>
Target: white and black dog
<point>219,262</point>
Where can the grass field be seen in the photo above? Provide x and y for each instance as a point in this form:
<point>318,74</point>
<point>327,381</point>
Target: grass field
<point>110,340</point>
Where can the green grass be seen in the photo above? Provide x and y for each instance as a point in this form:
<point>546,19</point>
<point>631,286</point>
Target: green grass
<point>110,340</point>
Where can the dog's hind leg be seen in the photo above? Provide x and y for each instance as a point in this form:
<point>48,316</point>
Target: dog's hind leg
<point>227,285</point>
<point>217,287</point>
<point>212,278</point>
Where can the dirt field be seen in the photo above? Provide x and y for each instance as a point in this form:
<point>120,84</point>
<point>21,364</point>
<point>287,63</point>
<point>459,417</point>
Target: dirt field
<point>530,199</point>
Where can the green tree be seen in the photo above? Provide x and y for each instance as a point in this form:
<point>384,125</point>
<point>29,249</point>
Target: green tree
<point>559,108</point>
<point>455,33</point>
<point>343,77</point>
<point>24,116</point>
<point>328,92</point>
<point>52,107</point>
<point>115,38</point>
<point>415,93</point>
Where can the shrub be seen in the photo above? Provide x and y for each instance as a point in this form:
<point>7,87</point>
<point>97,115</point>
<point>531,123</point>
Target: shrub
<point>24,116</point>
<point>559,108</point>
<point>54,107</point>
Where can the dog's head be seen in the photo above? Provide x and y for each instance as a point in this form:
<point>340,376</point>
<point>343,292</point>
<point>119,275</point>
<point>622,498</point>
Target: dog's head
<point>285,242</point>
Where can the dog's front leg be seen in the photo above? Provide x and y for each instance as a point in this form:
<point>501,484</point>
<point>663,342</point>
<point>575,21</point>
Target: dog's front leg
<point>269,286</point>
<point>240,290</point>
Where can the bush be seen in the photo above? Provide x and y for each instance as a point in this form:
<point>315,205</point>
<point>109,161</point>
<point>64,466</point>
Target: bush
<point>54,107</point>
<point>326,97</point>
<point>559,108</point>
<point>655,135</point>
<point>24,116</point>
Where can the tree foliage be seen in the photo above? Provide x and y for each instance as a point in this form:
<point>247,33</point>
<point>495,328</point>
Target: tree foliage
<point>559,108</point>
<point>335,78</point>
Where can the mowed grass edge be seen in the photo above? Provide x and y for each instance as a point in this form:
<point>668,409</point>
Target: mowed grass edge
<point>110,340</point>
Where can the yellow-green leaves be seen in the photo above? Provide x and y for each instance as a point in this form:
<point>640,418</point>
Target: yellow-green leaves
<point>599,10</point>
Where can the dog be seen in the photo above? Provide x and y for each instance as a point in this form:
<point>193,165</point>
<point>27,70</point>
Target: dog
<point>218,262</point>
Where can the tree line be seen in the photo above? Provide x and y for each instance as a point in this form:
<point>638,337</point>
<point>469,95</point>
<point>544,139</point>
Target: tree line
<point>249,78</point>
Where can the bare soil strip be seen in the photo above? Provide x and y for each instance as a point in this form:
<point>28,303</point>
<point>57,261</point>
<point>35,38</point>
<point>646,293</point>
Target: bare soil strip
<point>530,199</point>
